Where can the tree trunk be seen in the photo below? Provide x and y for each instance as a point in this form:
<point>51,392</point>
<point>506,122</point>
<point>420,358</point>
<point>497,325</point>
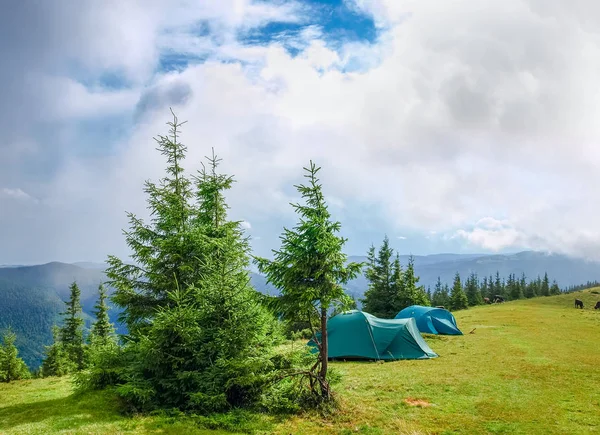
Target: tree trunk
<point>324,354</point>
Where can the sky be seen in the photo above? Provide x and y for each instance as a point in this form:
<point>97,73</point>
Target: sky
<point>449,126</point>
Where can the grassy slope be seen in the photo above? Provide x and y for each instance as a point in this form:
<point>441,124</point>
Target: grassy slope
<point>529,367</point>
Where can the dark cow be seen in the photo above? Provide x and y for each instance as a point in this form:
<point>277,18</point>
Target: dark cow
<point>498,299</point>
<point>578,304</point>
<point>597,307</point>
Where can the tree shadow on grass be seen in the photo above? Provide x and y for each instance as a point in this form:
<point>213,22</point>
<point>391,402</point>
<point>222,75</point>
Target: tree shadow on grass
<point>72,412</point>
<point>79,411</point>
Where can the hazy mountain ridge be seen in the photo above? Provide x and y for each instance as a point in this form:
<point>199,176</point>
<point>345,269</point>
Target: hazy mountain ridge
<point>31,296</point>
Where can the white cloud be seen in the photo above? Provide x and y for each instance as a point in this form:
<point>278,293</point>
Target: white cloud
<point>16,194</point>
<point>246,225</point>
<point>401,238</point>
<point>476,122</point>
<point>492,234</point>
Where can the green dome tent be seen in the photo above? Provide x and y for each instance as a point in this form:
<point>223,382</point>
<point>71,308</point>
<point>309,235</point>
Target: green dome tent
<point>431,320</point>
<point>358,335</point>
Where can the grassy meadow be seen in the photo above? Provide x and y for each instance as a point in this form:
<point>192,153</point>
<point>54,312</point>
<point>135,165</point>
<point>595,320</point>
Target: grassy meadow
<point>528,367</point>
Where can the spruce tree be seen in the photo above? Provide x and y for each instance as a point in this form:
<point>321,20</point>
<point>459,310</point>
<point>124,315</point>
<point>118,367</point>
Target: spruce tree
<point>56,362</point>
<point>379,297</point>
<point>545,287</point>
<point>498,286</point>
<point>71,333</point>
<point>484,288</point>
<point>166,251</point>
<point>309,270</point>
<point>554,288</point>
<point>458,298</point>
<point>472,290</point>
<point>199,337</point>
<point>102,329</point>
<point>414,294</point>
<point>397,287</point>
<point>12,368</point>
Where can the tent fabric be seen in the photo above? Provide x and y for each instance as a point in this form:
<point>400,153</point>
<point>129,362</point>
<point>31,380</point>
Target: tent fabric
<point>358,335</point>
<point>431,320</point>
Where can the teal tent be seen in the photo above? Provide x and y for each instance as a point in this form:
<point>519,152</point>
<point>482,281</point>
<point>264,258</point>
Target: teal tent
<point>358,335</point>
<point>431,320</point>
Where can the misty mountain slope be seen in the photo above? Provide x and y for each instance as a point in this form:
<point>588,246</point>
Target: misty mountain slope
<point>31,299</point>
<point>565,270</point>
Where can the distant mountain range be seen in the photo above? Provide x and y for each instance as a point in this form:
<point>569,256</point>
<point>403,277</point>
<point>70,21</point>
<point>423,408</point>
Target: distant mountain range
<point>31,297</point>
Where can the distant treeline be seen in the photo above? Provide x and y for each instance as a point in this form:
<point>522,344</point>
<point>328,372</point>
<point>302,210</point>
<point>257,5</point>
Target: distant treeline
<point>393,288</point>
<point>576,288</point>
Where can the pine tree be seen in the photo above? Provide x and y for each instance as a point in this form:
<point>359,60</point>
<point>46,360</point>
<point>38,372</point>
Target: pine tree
<point>167,252</point>
<point>554,289</point>
<point>199,336</point>
<point>498,286</point>
<point>310,269</point>
<point>102,329</point>
<point>458,298</point>
<point>545,287</point>
<point>12,368</point>
<point>379,297</point>
<point>437,292</point>
<point>472,290</point>
<point>413,293</point>
<point>56,362</point>
<point>397,286</point>
<point>484,288</point>
<point>71,333</point>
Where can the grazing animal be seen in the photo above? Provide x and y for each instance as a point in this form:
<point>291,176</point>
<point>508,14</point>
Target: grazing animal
<point>597,307</point>
<point>498,299</point>
<point>578,304</point>
<point>487,300</point>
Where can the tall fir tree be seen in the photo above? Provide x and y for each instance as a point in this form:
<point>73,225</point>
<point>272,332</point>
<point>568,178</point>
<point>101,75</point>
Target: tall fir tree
<point>199,337</point>
<point>71,333</point>
<point>440,297</point>
<point>56,361</point>
<point>472,290</point>
<point>554,288</point>
<point>379,299</point>
<point>498,286</point>
<point>483,290</point>
<point>545,287</point>
<point>167,252</point>
<point>102,330</point>
<point>310,270</point>
<point>414,294</point>
<point>458,298</point>
<point>12,368</point>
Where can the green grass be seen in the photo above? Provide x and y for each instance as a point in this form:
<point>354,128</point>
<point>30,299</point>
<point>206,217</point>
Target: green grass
<point>529,367</point>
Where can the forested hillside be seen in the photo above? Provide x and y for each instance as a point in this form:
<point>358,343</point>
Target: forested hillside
<point>31,298</point>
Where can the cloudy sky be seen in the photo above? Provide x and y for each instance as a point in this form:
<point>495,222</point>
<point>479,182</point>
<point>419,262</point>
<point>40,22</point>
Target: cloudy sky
<point>451,126</point>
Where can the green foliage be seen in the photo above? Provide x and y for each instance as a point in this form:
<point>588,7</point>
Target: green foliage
<point>545,287</point>
<point>385,282</point>
<point>458,298</point>
<point>309,270</point>
<point>411,293</point>
<point>56,361</point>
<point>103,330</point>
<point>200,335</point>
<point>441,294</point>
<point>472,290</point>
<point>12,368</point>
<point>391,289</point>
<point>71,333</point>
